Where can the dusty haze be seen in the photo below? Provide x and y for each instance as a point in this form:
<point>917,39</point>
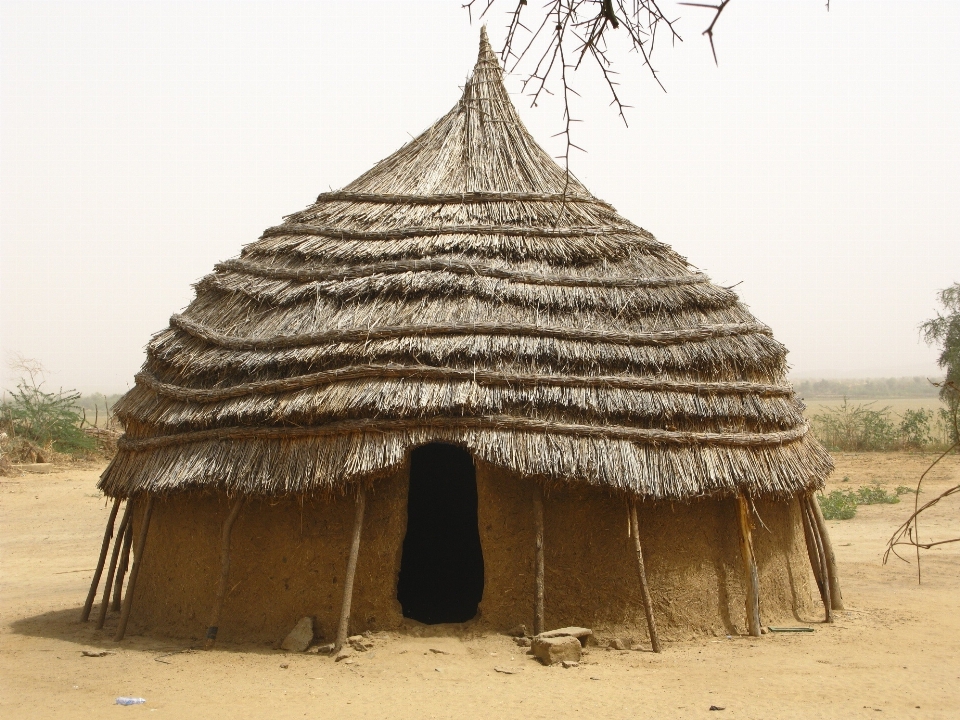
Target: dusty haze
<point>140,143</point>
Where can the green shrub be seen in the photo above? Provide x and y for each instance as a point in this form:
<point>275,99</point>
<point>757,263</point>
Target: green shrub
<point>842,504</point>
<point>46,419</point>
<point>838,505</point>
<point>876,495</point>
<point>915,431</point>
<point>856,427</point>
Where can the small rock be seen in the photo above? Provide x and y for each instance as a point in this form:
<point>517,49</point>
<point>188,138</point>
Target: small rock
<point>763,631</point>
<point>550,650</point>
<point>523,641</point>
<point>508,670</point>
<point>343,655</point>
<point>518,631</point>
<point>284,666</point>
<point>579,633</point>
<point>569,663</point>
<point>438,651</point>
<point>716,707</point>
<point>324,649</point>
<point>621,643</point>
<point>359,643</point>
<point>300,638</point>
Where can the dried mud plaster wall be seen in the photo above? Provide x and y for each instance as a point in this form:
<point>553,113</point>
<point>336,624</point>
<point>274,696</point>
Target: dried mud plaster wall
<point>691,551</point>
<point>288,560</point>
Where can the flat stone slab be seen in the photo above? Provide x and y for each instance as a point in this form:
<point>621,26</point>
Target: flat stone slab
<point>557,649</point>
<point>579,633</point>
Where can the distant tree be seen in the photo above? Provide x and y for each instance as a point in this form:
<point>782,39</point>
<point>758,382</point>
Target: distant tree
<point>944,331</point>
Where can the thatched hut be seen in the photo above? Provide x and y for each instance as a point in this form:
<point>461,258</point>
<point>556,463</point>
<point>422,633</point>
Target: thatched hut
<point>463,388</point>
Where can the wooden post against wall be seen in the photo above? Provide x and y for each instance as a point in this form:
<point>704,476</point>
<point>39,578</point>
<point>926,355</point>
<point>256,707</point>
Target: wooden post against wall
<point>750,567</point>
<point>117,546</point>
<point>135,570</point>
<point>836,598</point>
<point>95,583</point>
<point>642,572</point>
<point>351,573</point>
<point>214,625</point>
<point>811,543</point>
<point>538,605</point>
<point>122,569</point>
<point>825,594</point>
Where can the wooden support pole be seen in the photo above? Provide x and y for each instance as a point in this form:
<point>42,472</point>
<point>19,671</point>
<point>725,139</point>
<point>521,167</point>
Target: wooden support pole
<point>351,572</point>
<point>641,571</point>
<point>538,606</point>
<point>822,559</point>
<point>117,546</point>
<point>836,598</point>
<point>122,569</point>
<point>95,583</point>
<point>811,542</point>
<point>750,567</point>
<point>214,626</point>
<point>135,570</point>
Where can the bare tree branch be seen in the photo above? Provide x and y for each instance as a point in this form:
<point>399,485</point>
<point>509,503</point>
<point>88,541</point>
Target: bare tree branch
<point>909,532</point>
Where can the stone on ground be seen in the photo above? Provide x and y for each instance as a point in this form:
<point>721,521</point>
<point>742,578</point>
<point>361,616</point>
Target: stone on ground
<point>300,637</point>
<point>550,650</point>
<point>579,633</point>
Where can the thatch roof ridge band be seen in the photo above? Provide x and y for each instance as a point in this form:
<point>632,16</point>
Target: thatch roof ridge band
<point>463,198</point>
<point>460,267</point>
<point>478,376</point>
<point>421,231</point>
<point>386,332</point>
<point>488,422</point>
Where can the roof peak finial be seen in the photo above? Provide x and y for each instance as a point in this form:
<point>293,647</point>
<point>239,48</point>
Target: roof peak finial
<point>486,53</point>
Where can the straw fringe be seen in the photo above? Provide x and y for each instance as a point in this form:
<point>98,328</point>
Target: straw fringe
<point>332,463</point>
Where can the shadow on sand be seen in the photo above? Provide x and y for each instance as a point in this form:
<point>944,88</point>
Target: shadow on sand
<point>65,625</point>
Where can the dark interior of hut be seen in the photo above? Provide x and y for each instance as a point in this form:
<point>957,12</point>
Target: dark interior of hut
<point>441,569</point>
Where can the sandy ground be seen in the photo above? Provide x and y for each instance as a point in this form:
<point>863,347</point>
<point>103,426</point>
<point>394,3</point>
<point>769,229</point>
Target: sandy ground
<point>895,650</point>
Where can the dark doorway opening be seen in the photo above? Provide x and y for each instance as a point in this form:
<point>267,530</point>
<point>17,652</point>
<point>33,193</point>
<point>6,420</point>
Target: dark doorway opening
<point>441,569</point>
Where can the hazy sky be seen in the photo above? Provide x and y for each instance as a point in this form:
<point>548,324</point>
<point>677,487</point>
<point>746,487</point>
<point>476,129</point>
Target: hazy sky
<point>142,142</point>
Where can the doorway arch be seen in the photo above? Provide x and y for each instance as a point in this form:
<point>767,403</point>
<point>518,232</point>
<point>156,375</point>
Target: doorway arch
<point>441,567</point>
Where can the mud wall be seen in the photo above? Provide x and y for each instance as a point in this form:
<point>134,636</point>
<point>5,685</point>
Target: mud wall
<point>289,558</point>
<point>691,551</point>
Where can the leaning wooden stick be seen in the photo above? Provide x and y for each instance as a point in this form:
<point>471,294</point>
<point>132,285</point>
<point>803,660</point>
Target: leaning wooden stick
<point>750,567</point>
<point>825,593</point>
<point>811,543</point>
<point>135,570</point>
<point>122,569</point>
<point>214,626</point>
<point>117,547</point>
<point>836,599</point>
<point>351,572</point>
<point>642,572</point>
<point>95,583</point>
<point>538,607</point>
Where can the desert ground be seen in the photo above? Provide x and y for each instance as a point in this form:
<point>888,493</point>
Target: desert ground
<point>894,650</point>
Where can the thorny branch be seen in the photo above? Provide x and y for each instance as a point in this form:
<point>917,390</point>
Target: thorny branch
<point>717,9</point>
<point>570,31</point>
<point>909,532</point>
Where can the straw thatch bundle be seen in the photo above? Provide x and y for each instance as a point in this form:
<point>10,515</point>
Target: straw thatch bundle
<point>464,290</point>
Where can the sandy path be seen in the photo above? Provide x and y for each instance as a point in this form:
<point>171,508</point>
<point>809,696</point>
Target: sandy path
<point>897,646</point>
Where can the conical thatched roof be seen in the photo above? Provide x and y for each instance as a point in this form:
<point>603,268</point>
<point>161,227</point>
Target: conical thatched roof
<point>464,290</point>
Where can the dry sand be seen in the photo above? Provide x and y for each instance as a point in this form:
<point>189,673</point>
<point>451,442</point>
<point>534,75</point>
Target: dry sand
<point>895,650</point>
